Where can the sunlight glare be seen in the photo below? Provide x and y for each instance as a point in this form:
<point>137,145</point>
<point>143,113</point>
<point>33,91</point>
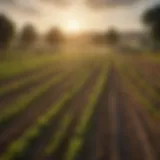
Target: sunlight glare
<point>73,26</point>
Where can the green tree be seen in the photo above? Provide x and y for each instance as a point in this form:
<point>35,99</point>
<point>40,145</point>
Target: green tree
<point>28,35</point>
<point>54,38</point>
<point>112,36</point>
<point>7,30</point>
<point>151,18</point>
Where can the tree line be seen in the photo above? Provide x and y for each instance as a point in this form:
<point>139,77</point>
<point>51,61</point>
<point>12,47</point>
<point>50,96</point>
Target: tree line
<point>29,35</point>
<point>151,20</point>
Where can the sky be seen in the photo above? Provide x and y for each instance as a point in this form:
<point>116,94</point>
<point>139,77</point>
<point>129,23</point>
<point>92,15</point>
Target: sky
<point>72,15</point>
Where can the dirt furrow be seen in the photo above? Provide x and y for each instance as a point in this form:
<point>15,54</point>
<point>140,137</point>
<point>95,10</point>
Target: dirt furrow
<point>118,122</point>
<point>149,129</point>
<point>77,106</point>
<point>12,96</point>
<point>147,151</point>
<point>26,74</point>
<point>37,150</point>
<point>96,138</point>
<point>112,139</point>
<point>124,143</point>
<point>113,119</point>
<point>18,125</point>
<point>101,120</point>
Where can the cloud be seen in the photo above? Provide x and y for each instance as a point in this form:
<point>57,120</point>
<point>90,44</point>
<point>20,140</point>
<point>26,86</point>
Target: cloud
<point>58,2</point>
<point>31,7</point>
<point>23,6</point>
<point>109,3</point>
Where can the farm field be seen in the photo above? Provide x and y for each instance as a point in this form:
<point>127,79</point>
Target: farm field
<point>92,107</point>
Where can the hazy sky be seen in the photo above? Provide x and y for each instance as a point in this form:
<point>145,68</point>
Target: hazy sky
<point>86,14</point>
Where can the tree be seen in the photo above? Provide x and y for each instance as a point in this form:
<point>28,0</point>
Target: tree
<point>99,38</point>
<point>7,31</point>
<point>112,36</point>
<point>54,37</point>
<point>151,18</point>
<point>28,35</point>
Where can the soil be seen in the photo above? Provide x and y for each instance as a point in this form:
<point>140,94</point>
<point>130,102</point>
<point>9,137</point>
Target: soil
<point>25,74</point>
<point>20,123</point>
<point>121,128</point>
<point>13,95</point>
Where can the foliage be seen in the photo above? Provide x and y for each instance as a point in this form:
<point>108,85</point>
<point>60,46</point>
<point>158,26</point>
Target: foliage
<point>25,82</point>
<point>19,146</point>
<point>127,79</point>
<point>112,36</point>
<point>28,35</point>
<point>13,68</point>
<point>78,139</point>
<point>25,100</point>
<point>7,31</point>
<point>151,18</point>
<point>54,37</point>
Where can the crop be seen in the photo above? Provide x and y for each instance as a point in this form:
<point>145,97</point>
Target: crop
<point>25,100</point>
<point>147,103</point>
<point>81,129</point>
<point>24,82</point>
<point>18,147</point>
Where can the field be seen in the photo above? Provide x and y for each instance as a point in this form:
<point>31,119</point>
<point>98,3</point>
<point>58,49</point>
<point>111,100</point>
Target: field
<point>90,107</point>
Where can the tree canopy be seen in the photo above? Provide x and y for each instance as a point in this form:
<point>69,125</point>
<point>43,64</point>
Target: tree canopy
<point>28,35</point>
<point>112,36</point>
<point>7,31</point>
<point>151,18</point>
<point>54,37</point>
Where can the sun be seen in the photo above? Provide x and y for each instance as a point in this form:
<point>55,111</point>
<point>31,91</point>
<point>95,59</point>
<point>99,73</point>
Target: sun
<point>73,26</point>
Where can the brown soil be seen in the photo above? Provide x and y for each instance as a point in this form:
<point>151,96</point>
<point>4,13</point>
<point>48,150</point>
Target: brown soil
<point>13,95</point>
<point>122,132</point>
<point>19,124</point>
<point>121,128</point>
<point>97,129</point>
<point>148,127</point>
<point>141,142</point>
<point>25,74</point>
<point>76,106</point>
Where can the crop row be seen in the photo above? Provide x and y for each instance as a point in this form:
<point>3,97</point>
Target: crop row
<point>24,82</point>
<point>20,146</point>
<point>57,139</point>
<point>77,140</point>
<point>137,77</point>
<point>135,90</point>
<point>25,100</point>
<point>151,76</point>
<point>13,68</point>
